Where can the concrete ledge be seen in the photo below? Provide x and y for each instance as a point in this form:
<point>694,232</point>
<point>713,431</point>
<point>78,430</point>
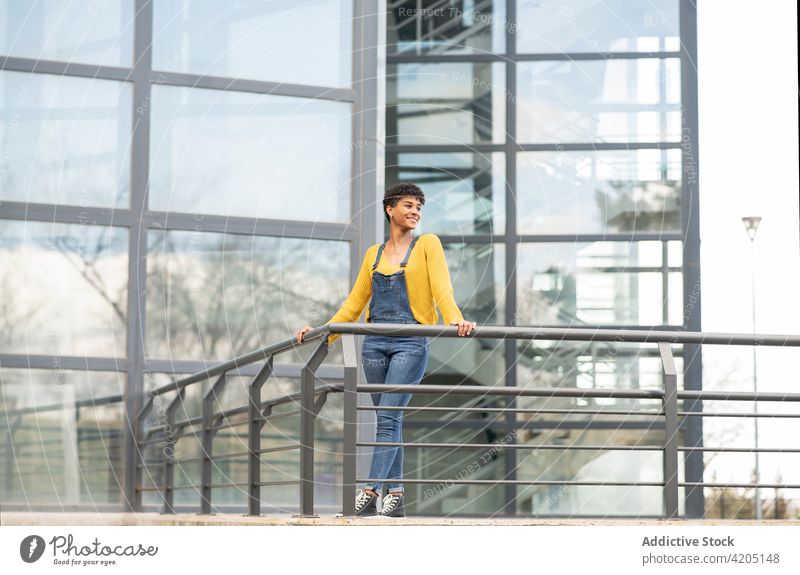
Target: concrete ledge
<point>56,519</point>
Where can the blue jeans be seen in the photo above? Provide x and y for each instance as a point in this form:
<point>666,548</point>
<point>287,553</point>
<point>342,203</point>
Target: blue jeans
<point>395,360</point>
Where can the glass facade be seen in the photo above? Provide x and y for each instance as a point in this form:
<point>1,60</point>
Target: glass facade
<point>183,182</point>
<point>548,135</point>
<point>174,190</point>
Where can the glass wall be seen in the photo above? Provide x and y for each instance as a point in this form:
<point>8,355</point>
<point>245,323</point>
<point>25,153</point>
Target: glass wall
<point>547,138</point>
<point>176,184</point>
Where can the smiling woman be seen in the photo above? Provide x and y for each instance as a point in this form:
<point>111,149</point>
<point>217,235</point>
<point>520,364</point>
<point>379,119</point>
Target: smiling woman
<point>402,285</point>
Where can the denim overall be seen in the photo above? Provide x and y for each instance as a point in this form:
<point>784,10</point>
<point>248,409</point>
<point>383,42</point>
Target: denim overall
<point>395,360</point>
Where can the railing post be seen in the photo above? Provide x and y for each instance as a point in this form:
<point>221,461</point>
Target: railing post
<point>307,417</point>
<point>137,473</point>
<point>670,405</point>
<point>255,422</point>
<point>208,442</point>
<point>349,425</point>
<point>169,458</point>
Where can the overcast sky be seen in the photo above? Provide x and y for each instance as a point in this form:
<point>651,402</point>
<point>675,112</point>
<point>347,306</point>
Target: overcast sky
<point>748,131</point>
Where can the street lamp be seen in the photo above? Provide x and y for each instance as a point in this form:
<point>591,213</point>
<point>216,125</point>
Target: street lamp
<point>751,227</point>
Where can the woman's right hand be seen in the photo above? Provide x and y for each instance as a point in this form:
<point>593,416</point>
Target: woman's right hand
<point>302,331</point>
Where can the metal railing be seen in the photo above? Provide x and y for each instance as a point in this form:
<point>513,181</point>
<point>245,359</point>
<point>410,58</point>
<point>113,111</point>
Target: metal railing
<point>669,397</point>
<point>312,398</point>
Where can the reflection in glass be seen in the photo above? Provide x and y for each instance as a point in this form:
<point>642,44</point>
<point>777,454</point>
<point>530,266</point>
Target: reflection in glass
<point>599,192</point>
<point>65,289</point>
<point>446,103</point>
<point>599,101</point>
<point>85,32</point>
<point>590,365</point>
<point>281,465</point>
<point>596,466</point>
<point>611,283</point>
<point>216,296</point>
<point>64,140</point>
<point>597,26</point>
<point>477,272</point>
<point>441,496</point>
<point>60,442</point>
<point>250,155</point>
<point>433,27</point>
<point>464,193</point>
<point>293,41</point>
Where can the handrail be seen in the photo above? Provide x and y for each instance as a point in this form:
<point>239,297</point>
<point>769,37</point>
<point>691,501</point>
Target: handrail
<point>669,396</point>
<point>312,398</point>
<point>567,334</point>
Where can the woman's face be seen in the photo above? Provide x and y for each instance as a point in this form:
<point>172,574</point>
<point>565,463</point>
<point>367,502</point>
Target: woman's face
<point>407,213</point>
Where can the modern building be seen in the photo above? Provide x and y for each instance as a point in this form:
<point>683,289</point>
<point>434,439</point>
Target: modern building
<point>183,182</point>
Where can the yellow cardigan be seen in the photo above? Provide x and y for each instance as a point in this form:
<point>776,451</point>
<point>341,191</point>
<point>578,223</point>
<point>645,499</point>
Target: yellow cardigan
<point>427,282</point>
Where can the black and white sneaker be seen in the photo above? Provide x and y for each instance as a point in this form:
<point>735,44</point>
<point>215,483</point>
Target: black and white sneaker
<point>393,506</point>
<point>366,503</point>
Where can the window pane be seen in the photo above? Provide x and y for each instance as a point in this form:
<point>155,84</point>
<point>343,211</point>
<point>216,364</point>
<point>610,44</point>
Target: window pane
<point>293,41</point>
<point>599,192</point>
<point>69,448</point>
<point>597,26</point>
<point>590,365</point>
<point>216,296</point>
<point>477,272</point>
<point>451,103</point>
<point>617,283</point>
<point>599,101</point>
<point>65,289</point>
<point>464,193</point>
<point>252,155</point>
<point>64,140</point>
<point>460,27</point>
<point>85,32</point>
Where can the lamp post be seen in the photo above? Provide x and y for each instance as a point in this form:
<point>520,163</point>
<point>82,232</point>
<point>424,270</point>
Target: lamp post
<point>751,227</point>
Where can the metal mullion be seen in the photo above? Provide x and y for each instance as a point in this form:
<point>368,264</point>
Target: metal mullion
<point>95,72</point>
<point>584,56</point>
<point>616,237</point>
<point>511,239</point>
<point>690,220</point>
<point>472,239</point>
<point>251,86</point>
<point>66,214</point>
<point>599,146</point>
<point>137,245</point>
<point>442,58</point>
<point>569,238</point>
<point>515,58</point>
<point>250,226</point>
<point>22,361</point>
<point>529,147</point>
<point>444,148</point>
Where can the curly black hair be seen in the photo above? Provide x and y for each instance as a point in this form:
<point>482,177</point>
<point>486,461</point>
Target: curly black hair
<point>400,190</point>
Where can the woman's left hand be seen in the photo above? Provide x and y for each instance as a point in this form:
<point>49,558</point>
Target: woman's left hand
<point>464,327</point>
